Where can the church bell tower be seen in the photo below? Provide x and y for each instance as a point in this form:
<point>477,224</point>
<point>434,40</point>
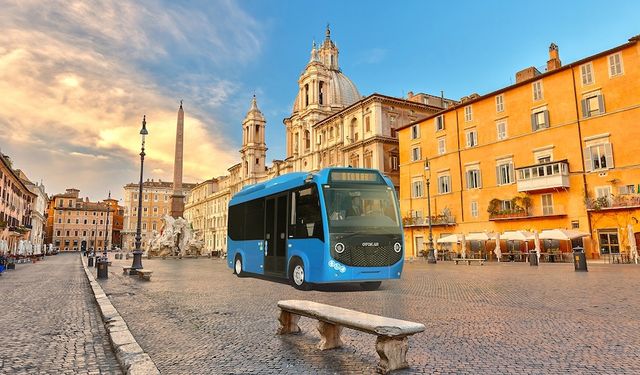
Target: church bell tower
<point>254,147</point>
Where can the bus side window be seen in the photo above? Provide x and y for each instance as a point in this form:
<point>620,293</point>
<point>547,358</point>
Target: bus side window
<point>306,217</point>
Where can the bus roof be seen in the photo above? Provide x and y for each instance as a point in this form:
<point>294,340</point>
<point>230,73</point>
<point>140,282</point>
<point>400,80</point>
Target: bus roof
<point>293,180</point>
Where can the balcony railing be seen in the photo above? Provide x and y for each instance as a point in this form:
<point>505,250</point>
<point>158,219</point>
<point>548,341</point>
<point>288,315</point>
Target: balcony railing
<point>543,176</point>
<point>613,202</point>
<point>438,220</point>
<point>534,212</point>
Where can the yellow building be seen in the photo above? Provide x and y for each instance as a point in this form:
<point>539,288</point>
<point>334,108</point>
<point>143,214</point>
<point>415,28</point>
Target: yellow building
<point>553,151</point>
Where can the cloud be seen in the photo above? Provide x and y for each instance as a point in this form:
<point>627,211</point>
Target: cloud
<point>76,78</point>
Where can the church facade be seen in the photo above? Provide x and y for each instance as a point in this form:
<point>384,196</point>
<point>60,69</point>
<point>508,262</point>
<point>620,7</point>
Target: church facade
<point>331,125</point>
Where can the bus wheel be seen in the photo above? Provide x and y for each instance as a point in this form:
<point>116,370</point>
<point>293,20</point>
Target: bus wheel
<point>237,266</point>
<point>297,275</point>
<point>371,285</point>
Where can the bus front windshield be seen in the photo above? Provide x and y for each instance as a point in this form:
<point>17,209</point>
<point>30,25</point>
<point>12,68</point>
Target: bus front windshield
<point>361,208</point>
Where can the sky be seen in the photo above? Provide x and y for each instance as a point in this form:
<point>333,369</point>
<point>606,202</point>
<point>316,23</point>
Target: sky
<point>76,77</point>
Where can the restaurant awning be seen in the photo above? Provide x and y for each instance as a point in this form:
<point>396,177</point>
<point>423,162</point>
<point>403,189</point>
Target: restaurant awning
<point>561,234</point>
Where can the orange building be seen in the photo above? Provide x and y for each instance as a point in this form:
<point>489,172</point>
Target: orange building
<point>553,151</point>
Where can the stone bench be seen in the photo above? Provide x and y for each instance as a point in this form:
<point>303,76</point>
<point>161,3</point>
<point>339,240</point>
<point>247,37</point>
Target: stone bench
<point>144,274</point>
<point>392,341</point>
<point>127,270</point>
<point>468,260</point>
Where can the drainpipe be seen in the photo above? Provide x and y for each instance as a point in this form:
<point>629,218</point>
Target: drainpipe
<point>584,168</point>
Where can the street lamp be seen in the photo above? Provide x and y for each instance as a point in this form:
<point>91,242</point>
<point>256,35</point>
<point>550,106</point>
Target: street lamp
<point>427,171</point>
<point>137,253</point>
<point>106,229</point>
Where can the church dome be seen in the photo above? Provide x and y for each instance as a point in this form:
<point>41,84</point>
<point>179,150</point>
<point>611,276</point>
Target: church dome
<point>342,91</point>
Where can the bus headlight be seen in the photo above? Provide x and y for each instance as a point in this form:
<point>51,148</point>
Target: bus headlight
<point>397,247</point>
<point>339,248</point>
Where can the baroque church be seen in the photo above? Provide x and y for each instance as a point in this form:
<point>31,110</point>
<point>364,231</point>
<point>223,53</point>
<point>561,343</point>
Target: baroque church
<point>331,124</point>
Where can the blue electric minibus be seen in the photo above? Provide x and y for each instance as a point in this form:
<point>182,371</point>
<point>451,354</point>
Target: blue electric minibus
<point>336,225</point>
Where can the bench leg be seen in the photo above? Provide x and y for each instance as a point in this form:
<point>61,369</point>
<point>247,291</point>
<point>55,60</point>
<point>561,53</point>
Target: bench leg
<point>288,323</point>
<point>392,352</point>
<point>329,335</point>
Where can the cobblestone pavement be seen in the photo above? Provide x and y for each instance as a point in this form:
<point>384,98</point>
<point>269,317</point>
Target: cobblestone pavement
<point>196,317</point>
<point>49,322</point>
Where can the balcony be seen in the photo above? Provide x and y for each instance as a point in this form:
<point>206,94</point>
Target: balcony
<point>617,202</point>
<point>438,220</point>
<point>543,176</point>
<point>535,212</point>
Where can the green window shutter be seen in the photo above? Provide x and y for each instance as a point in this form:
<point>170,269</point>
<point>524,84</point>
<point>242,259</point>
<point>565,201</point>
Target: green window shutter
<point>588,161</point>
<point>585,108</point>
<point>608,153</point>
<point>534,125</point>
<point>601,103</point>
<point>498,182</point>
<point>547,124</point>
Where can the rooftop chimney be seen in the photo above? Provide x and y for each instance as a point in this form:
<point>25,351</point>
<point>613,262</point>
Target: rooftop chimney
<point>554,58</point>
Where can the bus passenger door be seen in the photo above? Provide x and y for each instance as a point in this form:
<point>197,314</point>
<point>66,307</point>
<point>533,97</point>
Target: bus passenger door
<point>276,235</point>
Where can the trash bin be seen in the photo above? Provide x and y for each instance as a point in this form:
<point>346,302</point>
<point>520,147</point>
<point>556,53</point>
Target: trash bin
<point>103,268</point>
<point>533,258</point>
<point>90,261</point>
<point>579,259</point>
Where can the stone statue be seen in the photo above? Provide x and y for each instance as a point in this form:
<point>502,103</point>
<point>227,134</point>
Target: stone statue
<point>175,238</point>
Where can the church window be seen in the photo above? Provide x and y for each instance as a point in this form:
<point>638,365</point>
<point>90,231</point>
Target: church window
<point>320,92</point>
<point>257,132</point>
<point>367,123</point>
<point>307,140</point>
<point>306,95</point>
<point>246,168</point>
<point>331,132</point>
<point>354,130</point>
<point>257,161</point>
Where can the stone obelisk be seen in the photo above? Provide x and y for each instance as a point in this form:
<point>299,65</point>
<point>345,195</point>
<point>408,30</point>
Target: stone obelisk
<point>177,198</point>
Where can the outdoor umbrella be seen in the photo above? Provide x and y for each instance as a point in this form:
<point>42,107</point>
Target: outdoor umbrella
<point>452,238</point>
<point>463,244</point>
<point>21,247</point>
<point>497,249</point>
<point>633,249</point>
<point>562,234</point>
<point>517,235</point>
<point>536,241</point>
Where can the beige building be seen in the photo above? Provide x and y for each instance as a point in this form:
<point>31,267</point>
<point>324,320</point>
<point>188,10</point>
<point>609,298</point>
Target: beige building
<point>156,202</point>
<point>38,221</point>
<point>75,221</point>
<point>16,205</point>
<point>331,125</point>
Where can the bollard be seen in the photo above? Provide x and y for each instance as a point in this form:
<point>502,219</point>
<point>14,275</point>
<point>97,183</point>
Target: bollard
<point>90,261</point>
<point>579,259</point>
<point>103,268</point>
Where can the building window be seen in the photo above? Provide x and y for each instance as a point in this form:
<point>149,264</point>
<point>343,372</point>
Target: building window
<point>537,90</point>
<point>575,224</point>
<point>468,113</point>
<point>539,120</point>
<point>144,227</point>
<point>586,71</point>
<point>439,122</point>
<point>415,132</point>
<point>307,140</point>
<point>321,93</point>
<point>155,197</point>
<point>154,226</point>
<point>627,189</point>
<point>500,103</point>
<point>57,233</point>
<point>615,65</point>
<point>416,189</point>
<point>474,180</point>
<point>415,154</point>
<point>368,160</point>
<point>501,128</point>
<point>504,173</point>
<point>367,123</point>
<point>472,138</point>
<point>609,243</point>
<point>394,163</point>
<point>444,184</point>
<point>592,104</point>
<point>442,145</point>
<point>599,157</point>
<point>547,204</point>
<point>474,209</point>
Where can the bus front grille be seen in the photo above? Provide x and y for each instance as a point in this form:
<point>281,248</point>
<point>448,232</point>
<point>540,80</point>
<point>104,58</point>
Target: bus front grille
<point>361,256</point>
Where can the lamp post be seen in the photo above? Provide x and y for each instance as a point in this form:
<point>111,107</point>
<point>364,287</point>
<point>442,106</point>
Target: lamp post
<point>427,171</point>
<point>137,253</point>
<point>106,228</point>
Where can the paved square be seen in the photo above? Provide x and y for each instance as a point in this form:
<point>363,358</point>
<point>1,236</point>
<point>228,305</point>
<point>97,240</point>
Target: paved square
<point>49,321</point>
<point>509,318</point>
